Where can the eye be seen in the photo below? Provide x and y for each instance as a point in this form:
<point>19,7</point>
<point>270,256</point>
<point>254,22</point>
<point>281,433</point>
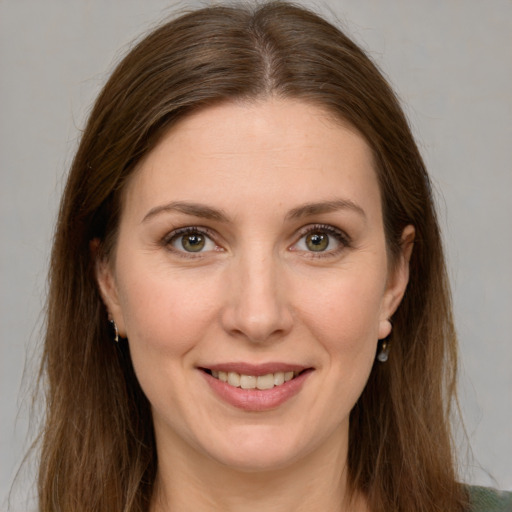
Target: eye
<point>191,240</point>
<point>317,241</point>
<point>321,239</point>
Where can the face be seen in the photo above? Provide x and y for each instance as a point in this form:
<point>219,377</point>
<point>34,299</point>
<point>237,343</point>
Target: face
<point>251,249</point>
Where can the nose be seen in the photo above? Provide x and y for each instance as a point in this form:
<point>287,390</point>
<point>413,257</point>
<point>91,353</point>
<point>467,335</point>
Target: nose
<point>257,307</point>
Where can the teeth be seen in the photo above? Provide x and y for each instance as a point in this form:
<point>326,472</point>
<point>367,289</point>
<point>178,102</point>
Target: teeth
<point>278,378</point>
<point>252,382</point>
<point>248,381</point>
<point>234,379</point>
<point>265,381</point>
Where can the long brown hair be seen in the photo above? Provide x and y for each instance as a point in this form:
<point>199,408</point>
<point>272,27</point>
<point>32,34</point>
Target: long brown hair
<point>98,450</point>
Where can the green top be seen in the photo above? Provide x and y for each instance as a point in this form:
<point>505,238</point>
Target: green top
<point>489,500</point>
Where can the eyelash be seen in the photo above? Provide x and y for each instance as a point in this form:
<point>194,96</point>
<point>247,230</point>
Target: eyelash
<point>173,235</point>
<point>340,236</point>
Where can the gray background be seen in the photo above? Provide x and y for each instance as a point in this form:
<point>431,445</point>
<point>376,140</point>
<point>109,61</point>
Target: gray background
<point>451,63</point>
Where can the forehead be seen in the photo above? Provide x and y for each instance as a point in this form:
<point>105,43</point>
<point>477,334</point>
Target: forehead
<point>243,154</point>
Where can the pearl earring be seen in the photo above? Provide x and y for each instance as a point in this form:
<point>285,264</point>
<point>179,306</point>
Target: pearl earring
<point>383,354</point>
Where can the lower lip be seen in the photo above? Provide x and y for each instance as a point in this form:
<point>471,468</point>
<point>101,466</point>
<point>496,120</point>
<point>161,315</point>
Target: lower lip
<point>257,400</point>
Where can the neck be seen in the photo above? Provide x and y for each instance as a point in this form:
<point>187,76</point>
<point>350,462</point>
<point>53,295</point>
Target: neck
<point>186,482</point>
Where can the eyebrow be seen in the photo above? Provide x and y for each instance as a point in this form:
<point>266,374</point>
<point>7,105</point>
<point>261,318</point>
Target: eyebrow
<point>194,209</point>
<point>207,212</point>
<point>310,209</point>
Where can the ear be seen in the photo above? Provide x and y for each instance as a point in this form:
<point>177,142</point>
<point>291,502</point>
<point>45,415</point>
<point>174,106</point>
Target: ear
<point>397,281</point>
<point>107,286</point>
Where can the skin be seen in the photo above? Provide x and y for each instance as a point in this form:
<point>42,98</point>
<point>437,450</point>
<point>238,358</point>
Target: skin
<point>255,293</point>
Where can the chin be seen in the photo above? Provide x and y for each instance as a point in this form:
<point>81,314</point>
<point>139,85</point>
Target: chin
<point>262,450</point>
<point>258,461</point>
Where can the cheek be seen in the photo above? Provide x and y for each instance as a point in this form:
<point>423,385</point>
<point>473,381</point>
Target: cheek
<point>166,312</point>
<point>166,319</point>
<point>343,313</point>
<point>343,310</point>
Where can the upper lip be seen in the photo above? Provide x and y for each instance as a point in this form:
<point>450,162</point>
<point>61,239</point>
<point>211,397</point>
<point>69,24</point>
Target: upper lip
<point>255,369</point>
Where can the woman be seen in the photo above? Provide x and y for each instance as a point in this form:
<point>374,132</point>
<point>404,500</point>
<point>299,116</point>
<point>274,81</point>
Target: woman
<point>248,304</point>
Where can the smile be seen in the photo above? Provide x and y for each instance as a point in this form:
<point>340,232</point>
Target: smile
<point>256,388</point>
<point>261,382</point>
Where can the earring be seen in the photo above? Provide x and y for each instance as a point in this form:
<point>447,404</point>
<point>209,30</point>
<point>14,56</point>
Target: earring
<point>116,330</point>
<point>383,354</point>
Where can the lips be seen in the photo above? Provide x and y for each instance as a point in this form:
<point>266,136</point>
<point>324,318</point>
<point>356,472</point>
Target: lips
<point>256,387</point>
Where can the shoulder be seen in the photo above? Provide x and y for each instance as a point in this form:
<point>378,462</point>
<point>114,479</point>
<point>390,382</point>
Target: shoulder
<point>483,499</point>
